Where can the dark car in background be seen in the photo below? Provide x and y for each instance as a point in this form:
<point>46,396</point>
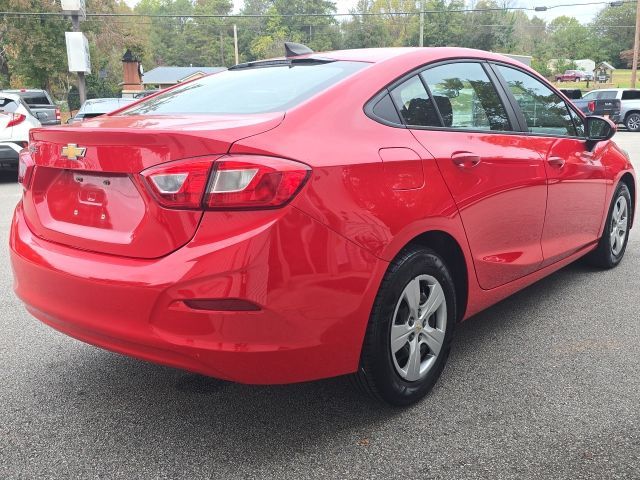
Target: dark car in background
<point>594,104</point>
<point>41,105</point>
<point>99,106</point>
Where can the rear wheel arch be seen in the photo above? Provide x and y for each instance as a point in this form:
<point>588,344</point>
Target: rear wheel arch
<point>629,113</point>
<point>451,252</point>
<point>632,124</point>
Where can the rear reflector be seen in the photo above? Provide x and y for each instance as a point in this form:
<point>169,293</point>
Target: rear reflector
<point>223,305</point>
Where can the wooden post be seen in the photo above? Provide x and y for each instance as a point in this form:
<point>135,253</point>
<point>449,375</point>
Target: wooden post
<point>636,46</point>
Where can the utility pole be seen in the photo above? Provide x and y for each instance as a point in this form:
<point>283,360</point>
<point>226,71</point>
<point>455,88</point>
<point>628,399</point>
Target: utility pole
<point>82,86</point>
<point>422,23</point>
<point>235,42</point>
<point>636,47</point>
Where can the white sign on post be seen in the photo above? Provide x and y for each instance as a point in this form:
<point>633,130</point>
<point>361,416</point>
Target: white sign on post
<point>78,52</point>
<point>74,7</point>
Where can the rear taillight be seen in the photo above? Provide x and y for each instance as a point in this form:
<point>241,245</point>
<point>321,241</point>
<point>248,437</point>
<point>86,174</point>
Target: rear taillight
<point>232,182</point>
<point>25,168</point>
<point>591,106</point>
<point>254,182</point>
<point>58,116</point>
<point>15,119</point>
<point>179,184</point>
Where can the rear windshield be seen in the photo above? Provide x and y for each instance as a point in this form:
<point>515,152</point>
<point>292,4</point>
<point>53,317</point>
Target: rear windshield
<point>248,90</point>
<point>7,105</point>
<point>31,99</point>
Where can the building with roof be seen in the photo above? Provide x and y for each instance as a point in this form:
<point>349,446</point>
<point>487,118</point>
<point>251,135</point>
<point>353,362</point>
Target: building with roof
<point>604,72</point>
<point>163,77</point>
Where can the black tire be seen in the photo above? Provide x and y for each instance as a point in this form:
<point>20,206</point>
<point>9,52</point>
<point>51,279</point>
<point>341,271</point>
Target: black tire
<point>377,374</point>
<point>604,256</point>
<point>632,122</point>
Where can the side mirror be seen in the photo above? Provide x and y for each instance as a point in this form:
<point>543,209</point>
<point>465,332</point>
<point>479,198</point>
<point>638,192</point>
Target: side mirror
<point>598,129</point>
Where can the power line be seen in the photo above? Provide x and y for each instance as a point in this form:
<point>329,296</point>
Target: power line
<point>337,14</point>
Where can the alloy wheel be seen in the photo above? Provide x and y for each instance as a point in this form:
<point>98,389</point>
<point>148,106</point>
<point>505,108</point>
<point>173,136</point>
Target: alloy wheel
<point>418,328</point>
<point>619,225</point>
<point>633,122</point>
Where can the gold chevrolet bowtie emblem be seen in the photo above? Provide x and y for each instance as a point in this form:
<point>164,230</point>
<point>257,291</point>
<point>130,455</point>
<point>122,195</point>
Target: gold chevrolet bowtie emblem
<point>73,151</point>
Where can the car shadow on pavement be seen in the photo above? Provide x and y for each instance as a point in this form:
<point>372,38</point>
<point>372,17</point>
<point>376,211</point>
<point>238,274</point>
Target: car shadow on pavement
<point>268,423</point>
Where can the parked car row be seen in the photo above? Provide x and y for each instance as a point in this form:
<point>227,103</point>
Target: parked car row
<point>24,109</point>
<point>621,105</point>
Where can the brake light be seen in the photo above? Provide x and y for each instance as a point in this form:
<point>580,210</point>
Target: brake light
<point>58,116</point>
<point>254,182</point>
<point>179,184</point>
<point>591,106</point>
<point>25,168</point>
<point>15,119</point>
<point>233,182</point>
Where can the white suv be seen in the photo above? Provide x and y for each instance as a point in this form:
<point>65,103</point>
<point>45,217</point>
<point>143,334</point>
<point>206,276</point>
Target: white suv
<point>15,122</point>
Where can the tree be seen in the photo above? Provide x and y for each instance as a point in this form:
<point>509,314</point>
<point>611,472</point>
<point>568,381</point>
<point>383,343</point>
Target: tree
<point>613,29</point>
<point>569,39</point>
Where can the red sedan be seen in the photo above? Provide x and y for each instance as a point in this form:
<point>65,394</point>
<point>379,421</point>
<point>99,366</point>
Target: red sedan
<point>317,215</point>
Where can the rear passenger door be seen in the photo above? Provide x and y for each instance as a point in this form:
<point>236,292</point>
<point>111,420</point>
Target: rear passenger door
<point>498,182</point>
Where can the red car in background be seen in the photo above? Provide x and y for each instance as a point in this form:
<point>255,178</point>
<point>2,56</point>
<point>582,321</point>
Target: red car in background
<point>573,76</point>
<point>316,215</point>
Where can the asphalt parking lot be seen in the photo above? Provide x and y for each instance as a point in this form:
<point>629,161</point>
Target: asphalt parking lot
<point>545,384</point>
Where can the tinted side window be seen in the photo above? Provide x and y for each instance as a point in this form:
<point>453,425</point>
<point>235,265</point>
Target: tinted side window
<point>414,104</point>
<point>544,111</point>
<point>466,97</point>
<point>608,95</point>
<point>385,110</point>
<point>631,95</point>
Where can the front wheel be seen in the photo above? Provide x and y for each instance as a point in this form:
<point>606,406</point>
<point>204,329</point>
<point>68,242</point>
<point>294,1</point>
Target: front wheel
<point>632,122</point>
<point>410,329</point>
<point>613,242</point>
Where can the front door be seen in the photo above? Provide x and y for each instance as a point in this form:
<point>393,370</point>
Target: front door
<point>576,175</point>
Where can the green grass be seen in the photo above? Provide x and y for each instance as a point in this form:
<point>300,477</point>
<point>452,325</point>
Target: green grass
<point>621,79</point>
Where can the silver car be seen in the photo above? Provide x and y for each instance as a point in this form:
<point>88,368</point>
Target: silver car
<point>99,106</point>
<point>629,104</point>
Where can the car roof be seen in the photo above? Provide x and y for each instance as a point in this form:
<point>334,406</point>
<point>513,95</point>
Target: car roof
<point>420,54</point>
<point>25,90</point>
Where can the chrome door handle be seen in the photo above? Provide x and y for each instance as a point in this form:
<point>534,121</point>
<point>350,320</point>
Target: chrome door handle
<point>556,162</point>
<point>465,159</point>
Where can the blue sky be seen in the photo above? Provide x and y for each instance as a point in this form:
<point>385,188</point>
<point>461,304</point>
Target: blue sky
<point>583,13</point>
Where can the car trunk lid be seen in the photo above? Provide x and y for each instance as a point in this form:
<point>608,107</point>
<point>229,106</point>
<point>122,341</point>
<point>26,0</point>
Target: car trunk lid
<point>86,191</point>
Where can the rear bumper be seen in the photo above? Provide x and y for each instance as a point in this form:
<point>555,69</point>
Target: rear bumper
<point>9,152</point>
<point>314,288</point>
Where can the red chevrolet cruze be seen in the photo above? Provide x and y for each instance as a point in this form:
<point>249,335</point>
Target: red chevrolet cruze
<point>317,215</point>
